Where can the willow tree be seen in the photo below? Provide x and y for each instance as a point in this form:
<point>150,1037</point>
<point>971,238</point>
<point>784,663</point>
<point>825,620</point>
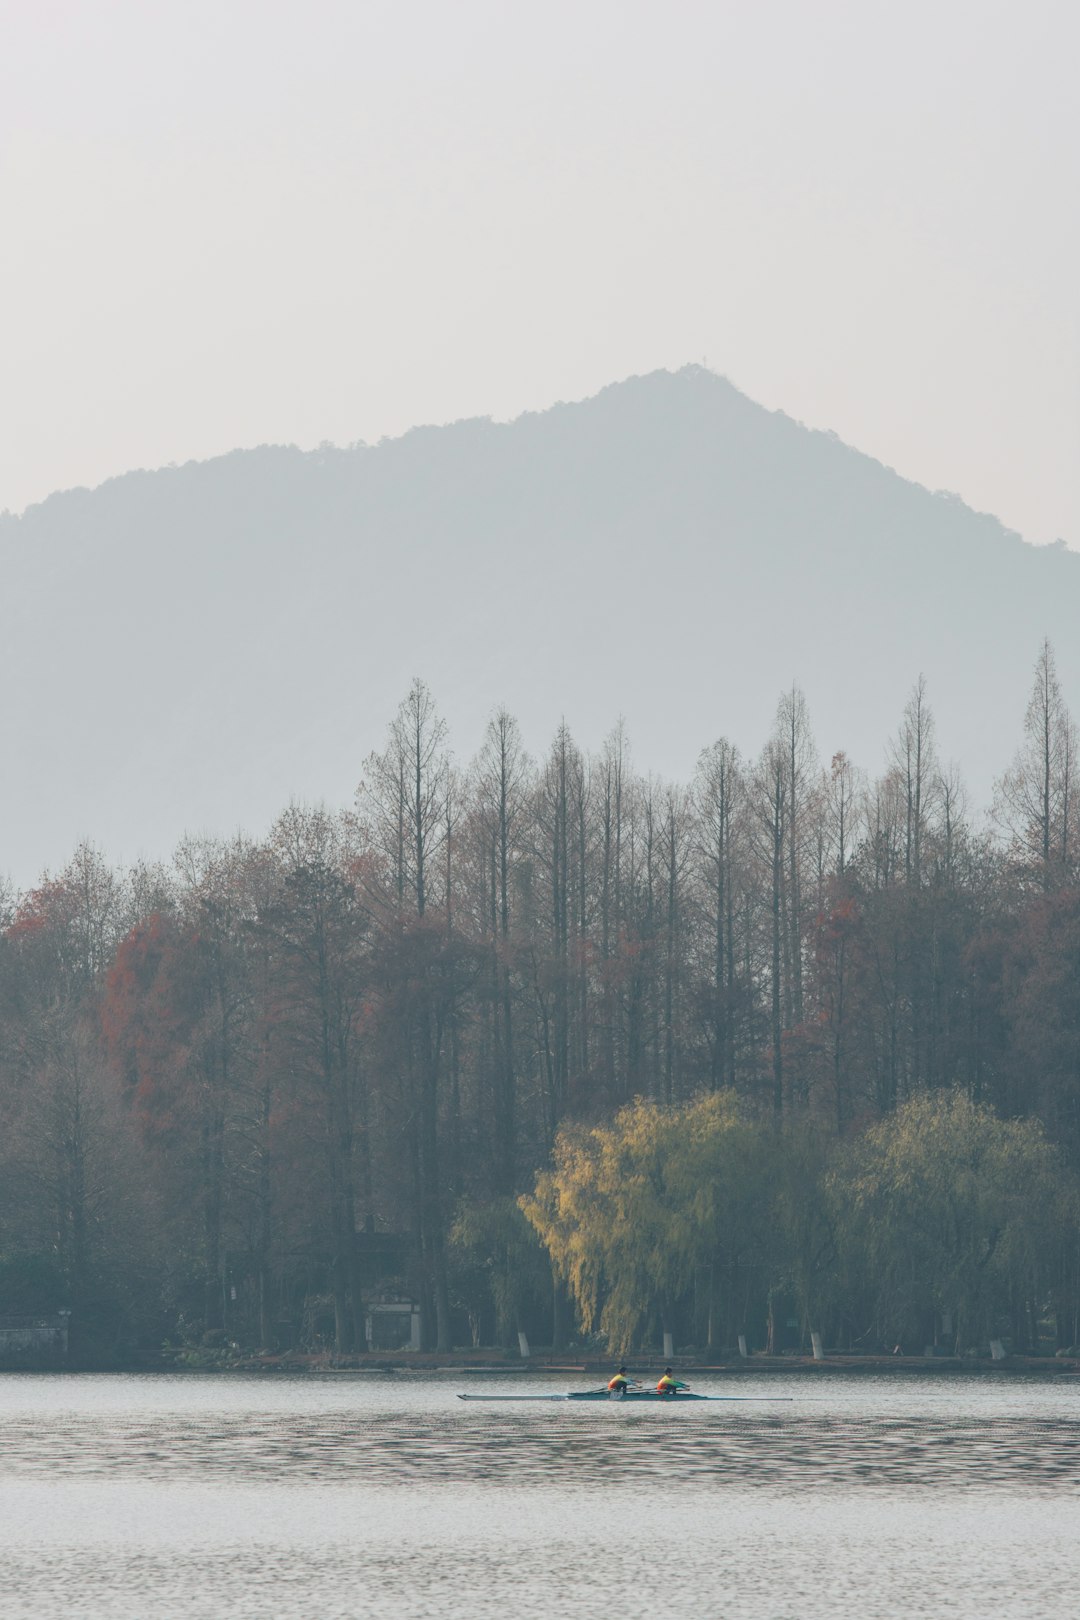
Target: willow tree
<point>945,1214</point>
<point>631,1212</point>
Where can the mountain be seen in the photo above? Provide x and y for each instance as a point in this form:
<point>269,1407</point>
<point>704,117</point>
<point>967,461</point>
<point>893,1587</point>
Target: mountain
<point>191,647</point>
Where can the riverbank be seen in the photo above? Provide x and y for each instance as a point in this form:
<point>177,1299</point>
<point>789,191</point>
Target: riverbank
<point>486,1363</point>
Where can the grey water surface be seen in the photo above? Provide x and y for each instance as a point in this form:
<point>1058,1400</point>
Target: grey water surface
<point>356,1495</point>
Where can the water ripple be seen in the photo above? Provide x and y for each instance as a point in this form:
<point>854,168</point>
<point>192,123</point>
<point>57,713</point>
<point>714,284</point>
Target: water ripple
<point>196,1498</point>
<point>504,1446</point>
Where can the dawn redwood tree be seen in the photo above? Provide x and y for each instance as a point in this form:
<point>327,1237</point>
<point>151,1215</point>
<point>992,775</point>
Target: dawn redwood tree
<point>837,937</point>
<point>913,756</point>
<point>884,835</point>
<point>952,822</point>
<point>404,804</point>
<point>502,783</point>
<point>317,927</point>
<point>553,825</point>
<point>675,842</point>
<point>610,803</point>
<point>844,793</point>
<point>226,889</point>
<point>403,800</point>
<point>718,795</point>
<point>1040,1002</point>
<point>422,975</point>
<point>177,1012</point>
<point>793,735</point>
<point>582,917</point>
<point>770,832</point>
<point>914,762</point>
<point>1035,800</point>
<point>65,1143</point>
<point>649,897</point>
<point>218,909</point>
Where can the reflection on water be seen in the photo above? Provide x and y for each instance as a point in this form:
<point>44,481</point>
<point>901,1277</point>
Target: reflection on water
<point>863,1497</point>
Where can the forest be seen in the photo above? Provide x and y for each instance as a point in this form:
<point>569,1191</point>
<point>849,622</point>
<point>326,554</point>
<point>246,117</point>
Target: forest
<point>549,1044</point>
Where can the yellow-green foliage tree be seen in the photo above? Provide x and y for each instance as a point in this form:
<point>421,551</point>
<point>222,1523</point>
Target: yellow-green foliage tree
<point>945,1212</point>
<point>632,1210</point>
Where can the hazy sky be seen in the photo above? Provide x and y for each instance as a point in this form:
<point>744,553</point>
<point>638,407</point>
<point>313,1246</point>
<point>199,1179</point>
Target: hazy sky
<point>231,222</point>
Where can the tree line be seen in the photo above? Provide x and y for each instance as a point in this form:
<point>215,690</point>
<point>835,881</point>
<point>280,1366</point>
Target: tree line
<point>229,1083</point>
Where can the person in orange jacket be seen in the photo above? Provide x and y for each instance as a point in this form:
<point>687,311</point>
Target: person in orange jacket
<point>668,1384</point>
<point>619,1384</point>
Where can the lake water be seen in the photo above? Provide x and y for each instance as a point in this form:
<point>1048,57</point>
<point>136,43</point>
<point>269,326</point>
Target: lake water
<point>357,1495</point>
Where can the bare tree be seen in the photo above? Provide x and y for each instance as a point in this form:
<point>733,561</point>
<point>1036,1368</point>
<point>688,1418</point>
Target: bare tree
<point>913,756</point>
<point>800,763</point>
<point>611,802</point>
<point>717,796</point>
<point>951,798</point>
<point>1035,798</point>
<point>502,782</point>
<point>676,857</point>
<point>403,796</point>
<point>318,929</point>
<point>771,831</point>
<point>843,794</point>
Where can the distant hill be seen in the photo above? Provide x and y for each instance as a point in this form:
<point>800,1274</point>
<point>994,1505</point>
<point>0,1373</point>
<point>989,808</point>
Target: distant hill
<point>188,648</point>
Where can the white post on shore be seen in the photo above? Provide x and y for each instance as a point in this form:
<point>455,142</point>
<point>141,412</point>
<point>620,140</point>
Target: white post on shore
<point>523,1346</point>
<point>669,1347</point>
<point>997,1350</point>
<point>815,1344</point>
<point>743,1351</point>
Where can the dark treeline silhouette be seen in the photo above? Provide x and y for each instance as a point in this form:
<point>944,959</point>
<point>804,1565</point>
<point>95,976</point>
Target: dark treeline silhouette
<point>230,1085</point>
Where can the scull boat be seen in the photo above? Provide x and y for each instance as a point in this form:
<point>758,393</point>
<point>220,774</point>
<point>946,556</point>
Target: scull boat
<point>629,1395</point>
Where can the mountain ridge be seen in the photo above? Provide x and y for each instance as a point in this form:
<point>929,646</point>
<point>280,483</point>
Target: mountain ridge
<point>223,635</point>
<point>426,431</point>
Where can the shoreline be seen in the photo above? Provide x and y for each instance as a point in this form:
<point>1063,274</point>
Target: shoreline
<point>754,1366</point>
<point>200,1361</point>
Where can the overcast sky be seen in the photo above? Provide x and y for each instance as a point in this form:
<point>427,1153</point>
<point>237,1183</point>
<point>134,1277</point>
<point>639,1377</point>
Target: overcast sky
<point>228,223</point>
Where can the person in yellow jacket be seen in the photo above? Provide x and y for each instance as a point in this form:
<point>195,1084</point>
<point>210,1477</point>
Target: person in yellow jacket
<point>619,1384</point>
<point>668,1384</point>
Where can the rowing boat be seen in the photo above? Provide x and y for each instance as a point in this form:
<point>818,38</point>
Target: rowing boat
<point>630,1395</point>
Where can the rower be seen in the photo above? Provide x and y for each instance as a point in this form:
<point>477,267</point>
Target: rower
<point>619,1384</point>
<point>668,1384</point>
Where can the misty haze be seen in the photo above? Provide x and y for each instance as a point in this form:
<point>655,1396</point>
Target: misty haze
<point>540,831</point>
<point>227,636</point>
